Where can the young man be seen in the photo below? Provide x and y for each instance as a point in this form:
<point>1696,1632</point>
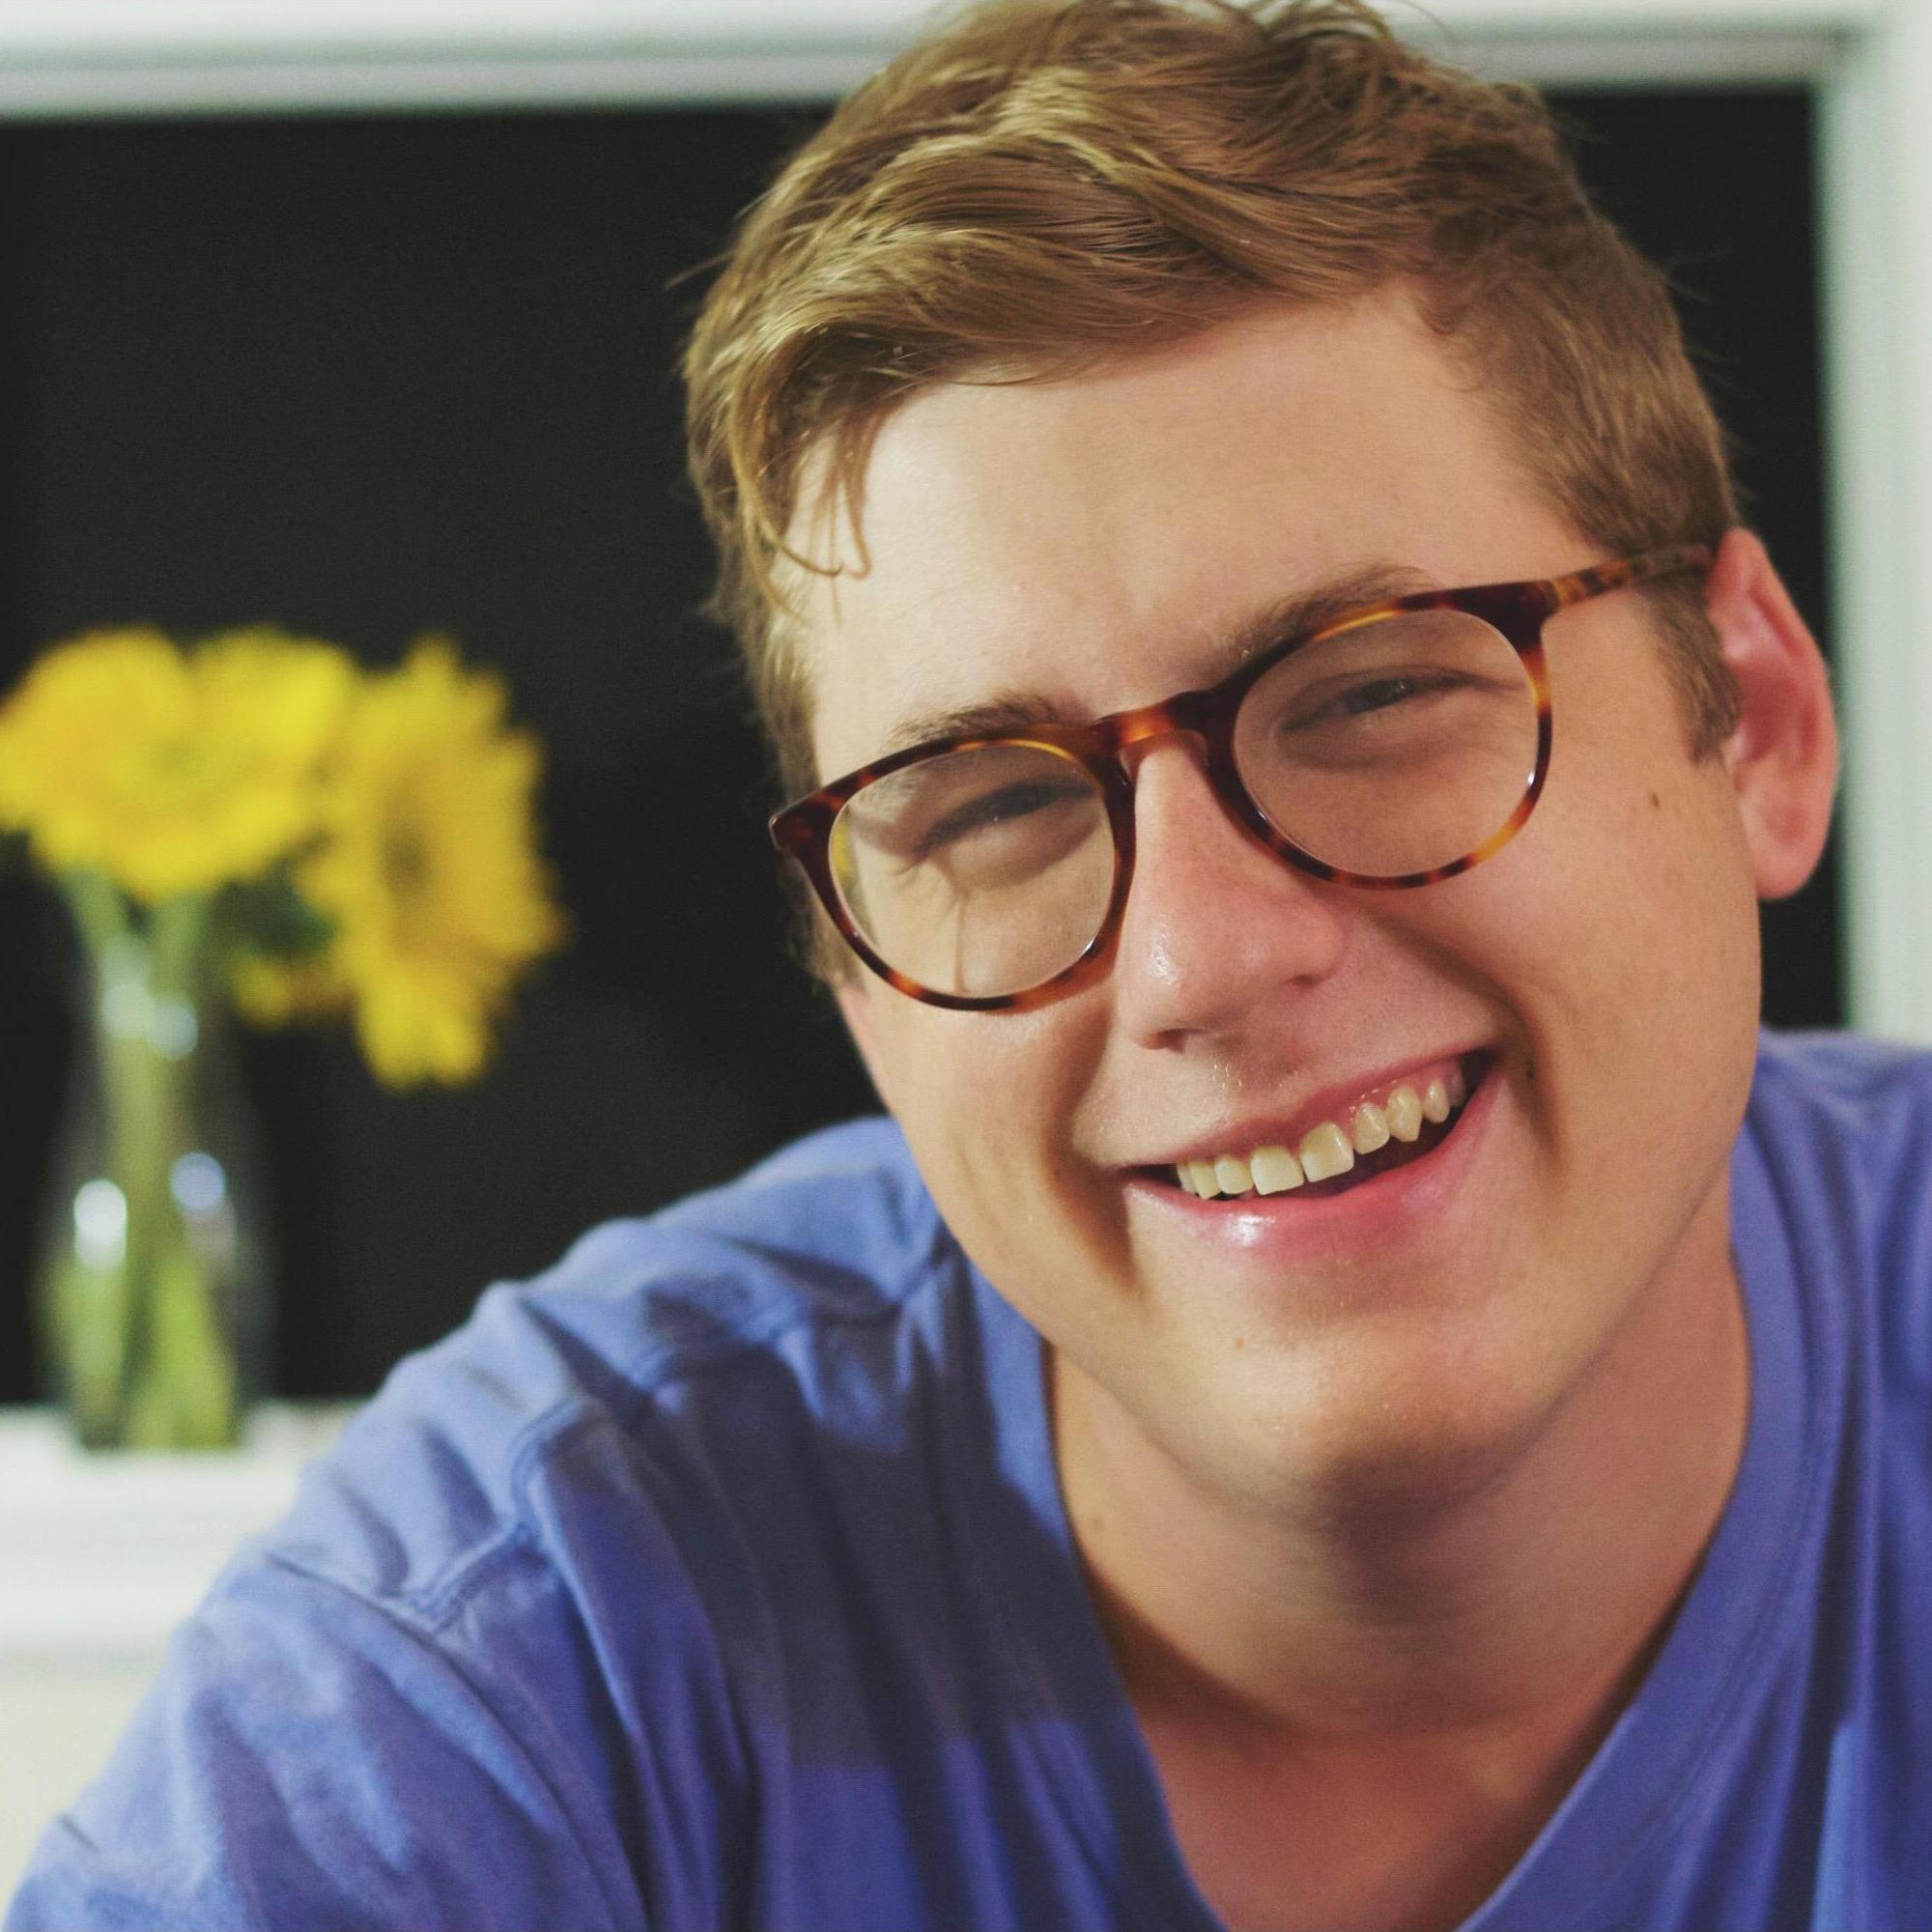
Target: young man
<point>1356,1389</point>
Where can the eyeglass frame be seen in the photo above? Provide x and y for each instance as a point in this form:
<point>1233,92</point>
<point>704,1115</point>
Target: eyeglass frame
<point>802,831</point>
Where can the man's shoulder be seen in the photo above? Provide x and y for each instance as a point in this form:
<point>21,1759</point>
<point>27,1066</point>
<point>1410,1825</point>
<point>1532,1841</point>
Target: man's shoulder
<point>1848,1064</point>
<point>1841,1119</point>
<point>648,1345</point>
<point>836,1229</point>
<point>1847,1091</point>
<point>1837,1145</point>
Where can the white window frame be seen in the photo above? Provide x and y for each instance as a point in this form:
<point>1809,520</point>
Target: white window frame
<point>1870,62</point>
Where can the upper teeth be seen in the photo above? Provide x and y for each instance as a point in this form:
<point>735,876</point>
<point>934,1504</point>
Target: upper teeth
<point>1329,1148</point>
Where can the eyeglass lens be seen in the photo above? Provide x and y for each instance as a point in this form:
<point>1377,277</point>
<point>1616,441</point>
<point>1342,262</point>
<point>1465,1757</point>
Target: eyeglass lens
<point>1394,747</point>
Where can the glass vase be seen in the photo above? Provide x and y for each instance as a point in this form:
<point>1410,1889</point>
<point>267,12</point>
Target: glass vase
<point>153,1278</point>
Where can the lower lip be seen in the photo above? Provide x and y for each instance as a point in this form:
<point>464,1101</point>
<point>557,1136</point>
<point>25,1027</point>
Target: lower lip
<point>1384,1209</point>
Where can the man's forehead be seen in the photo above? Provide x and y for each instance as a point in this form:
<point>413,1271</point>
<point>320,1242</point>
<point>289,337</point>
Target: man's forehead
<point>1197,502</point>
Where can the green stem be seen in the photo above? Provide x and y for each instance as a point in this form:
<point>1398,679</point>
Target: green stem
<point>148,1361</point>
<point>93,1291</point>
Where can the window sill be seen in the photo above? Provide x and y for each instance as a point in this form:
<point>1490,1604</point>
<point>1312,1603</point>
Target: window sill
<point>107,1552</point>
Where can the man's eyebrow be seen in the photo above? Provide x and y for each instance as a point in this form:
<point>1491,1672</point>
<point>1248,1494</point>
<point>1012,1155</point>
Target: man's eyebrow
<point>1309,610</point>
<point>1293,615</point>
<point>996,718</point>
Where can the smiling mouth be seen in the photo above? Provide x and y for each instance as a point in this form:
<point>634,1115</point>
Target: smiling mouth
<point>1393,1130</point>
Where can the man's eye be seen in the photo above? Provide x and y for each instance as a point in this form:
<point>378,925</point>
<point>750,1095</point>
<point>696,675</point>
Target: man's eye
<point>1367,697</point>
<point>994,808</point>
<point>1380,694</point>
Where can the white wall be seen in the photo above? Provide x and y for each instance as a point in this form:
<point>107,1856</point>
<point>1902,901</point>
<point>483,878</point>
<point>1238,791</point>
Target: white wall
<point>1871,59</point>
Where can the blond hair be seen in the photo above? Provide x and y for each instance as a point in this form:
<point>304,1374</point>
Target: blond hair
<point>1041,186</point>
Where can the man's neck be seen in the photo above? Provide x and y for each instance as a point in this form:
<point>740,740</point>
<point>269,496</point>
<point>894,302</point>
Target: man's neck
<point>1487,1635</point>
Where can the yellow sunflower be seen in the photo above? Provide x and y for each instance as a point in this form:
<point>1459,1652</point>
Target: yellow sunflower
<point>429,870</point>
<point>167,773</point>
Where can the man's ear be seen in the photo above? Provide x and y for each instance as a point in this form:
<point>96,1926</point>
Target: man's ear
<point>856,1003</point>
<point>1783,756</point>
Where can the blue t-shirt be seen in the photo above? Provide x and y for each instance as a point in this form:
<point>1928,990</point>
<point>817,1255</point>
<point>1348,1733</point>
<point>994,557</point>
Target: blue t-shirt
<point>720,1578</point>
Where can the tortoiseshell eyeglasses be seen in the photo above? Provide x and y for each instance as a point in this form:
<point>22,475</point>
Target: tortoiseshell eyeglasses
<point>1399,743</point>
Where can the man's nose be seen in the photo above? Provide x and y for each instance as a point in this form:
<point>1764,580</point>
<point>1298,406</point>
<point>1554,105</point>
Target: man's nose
<point>1215,924</point>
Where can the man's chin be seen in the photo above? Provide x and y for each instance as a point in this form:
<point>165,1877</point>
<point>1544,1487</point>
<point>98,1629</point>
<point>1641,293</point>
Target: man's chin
<point>1385,1427</point>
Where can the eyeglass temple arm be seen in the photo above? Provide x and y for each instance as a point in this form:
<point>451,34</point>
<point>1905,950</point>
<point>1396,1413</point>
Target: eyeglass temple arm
<point>1626,571</point>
